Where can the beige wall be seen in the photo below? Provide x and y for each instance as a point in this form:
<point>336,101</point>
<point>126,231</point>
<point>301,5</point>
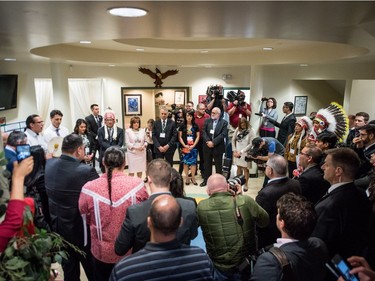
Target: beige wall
<point>276,81</point>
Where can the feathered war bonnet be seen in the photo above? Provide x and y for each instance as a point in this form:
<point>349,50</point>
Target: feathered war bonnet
<point>333,119</point>
<point>306,124</point>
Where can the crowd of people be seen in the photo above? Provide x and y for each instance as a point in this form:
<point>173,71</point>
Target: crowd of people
<point>317,199</point>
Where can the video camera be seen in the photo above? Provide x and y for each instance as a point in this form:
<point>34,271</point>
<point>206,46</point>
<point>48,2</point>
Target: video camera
<point>236,96</point>
<point>253,153</point>
<point>215,92</point>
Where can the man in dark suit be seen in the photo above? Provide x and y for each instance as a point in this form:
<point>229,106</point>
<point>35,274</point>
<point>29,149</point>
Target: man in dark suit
<point>109,135</point>
<point>286,127</point>
<point>134,233</point>
<point>64,178</point>
<point>278,185</point>
<point>214,133</point>
<point>313,185</point>
<point>296,220</point>
<point>164,135</point>
<point>94,122</point>
<point>344,213</point>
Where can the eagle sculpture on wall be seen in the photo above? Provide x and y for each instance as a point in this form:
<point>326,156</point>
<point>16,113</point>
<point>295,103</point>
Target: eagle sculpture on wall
<point>157,75</point>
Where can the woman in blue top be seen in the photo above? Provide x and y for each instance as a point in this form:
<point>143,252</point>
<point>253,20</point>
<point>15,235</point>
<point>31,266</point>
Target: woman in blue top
<point>188,136</point>
<point>267,129</point>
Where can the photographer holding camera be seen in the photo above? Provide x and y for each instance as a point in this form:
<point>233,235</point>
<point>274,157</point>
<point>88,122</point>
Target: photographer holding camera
<point>215,98</point>
<point>237,108</point>
<point>228,223</point>
<point>267,128</point>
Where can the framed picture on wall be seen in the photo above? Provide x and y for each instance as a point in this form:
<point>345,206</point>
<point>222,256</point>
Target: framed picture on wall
<point>300,105</point>
<point>133,105</point>
<point>179,97</point>
<point>202,99</point>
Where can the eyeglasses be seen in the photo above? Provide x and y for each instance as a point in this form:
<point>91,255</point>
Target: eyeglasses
<point>213,112</point>
<point>301,153</point>
<point>38,122</point>
<point>363,134</point>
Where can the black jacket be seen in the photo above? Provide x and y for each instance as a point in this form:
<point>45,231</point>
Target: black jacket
<point>64,179</point>
<point>267,198</point>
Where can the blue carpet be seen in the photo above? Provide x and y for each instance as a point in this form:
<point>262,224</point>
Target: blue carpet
<point>199,241</point>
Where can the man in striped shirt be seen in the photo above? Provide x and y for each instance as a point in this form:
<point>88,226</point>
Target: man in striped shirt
<point>164,257</point>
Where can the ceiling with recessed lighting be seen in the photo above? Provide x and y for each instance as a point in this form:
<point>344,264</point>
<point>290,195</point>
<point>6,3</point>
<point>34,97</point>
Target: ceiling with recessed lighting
<point>189,33</point>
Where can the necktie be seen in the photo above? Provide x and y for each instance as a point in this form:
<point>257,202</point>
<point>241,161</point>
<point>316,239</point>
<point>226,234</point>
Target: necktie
<point>57,132</point>
<point>163,126</point>
<point>214,125</point>
<point>110,134</point>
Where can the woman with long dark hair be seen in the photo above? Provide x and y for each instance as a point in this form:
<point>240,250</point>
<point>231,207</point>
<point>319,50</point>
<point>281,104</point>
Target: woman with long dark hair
<point>81,129</point>
<point>104,202</point>
<point>188,136</point>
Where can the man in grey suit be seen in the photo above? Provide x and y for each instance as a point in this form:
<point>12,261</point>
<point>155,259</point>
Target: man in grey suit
<point>296,219</point>
<point>164,135</point>
<point>64,178</point>
<point>134,233</point>
<point>214,133</point>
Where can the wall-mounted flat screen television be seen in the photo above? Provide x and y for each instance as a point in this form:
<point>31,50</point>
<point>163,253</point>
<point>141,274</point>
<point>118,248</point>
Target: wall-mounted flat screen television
<point>8,91</point>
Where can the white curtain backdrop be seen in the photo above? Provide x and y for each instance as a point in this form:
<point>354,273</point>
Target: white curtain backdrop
<point>44,97</point>
<point>83,93</point>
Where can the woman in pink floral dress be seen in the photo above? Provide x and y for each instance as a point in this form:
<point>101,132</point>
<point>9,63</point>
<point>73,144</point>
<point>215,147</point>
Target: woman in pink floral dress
<point>103,203</point>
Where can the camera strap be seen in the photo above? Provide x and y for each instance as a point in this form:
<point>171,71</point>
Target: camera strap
<point>237,212</point>
<point>284,263</point>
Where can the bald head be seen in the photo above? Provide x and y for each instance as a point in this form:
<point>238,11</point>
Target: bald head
<point>216,183</point>
<point>165,214</point>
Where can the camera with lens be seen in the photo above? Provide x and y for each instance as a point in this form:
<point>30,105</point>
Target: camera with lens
<point>236,96</point>
<point>215,92</point>
<point>254,152</point>
<point>264,99</point>
<point>236,180</point>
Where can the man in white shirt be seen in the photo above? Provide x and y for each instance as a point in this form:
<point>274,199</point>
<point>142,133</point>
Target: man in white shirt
<point>33,131</point>
<point>55,130</point>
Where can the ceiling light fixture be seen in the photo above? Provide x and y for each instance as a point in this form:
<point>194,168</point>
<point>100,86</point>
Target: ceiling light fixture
<point>140,50</point>
<point>127,12</point>
<point>303,64</point>
<point>85,42</point>
<point>204,51</point>
<point>267,49</point>
<point>9,59</point>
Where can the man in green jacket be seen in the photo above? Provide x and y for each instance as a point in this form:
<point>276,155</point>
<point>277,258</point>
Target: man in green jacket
<point>228,226</point>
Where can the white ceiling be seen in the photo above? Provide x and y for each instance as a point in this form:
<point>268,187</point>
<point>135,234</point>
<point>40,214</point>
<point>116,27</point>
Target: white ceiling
<point>175,32</point>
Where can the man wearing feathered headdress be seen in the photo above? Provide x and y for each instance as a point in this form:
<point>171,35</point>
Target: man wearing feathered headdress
<point>109,134</point>
<point>332,119</point>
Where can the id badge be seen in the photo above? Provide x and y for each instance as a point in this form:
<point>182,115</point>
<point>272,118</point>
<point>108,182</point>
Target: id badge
<point>291,151</point>
<point>212,131</point>
<point>162,135</point>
